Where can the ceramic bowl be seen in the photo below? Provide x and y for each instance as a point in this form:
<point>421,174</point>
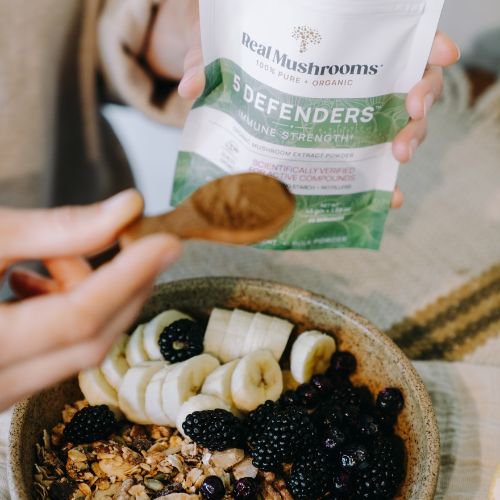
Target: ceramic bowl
<point>380,364</point>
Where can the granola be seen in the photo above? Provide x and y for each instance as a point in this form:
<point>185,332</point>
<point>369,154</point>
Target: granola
<point>138,463</point>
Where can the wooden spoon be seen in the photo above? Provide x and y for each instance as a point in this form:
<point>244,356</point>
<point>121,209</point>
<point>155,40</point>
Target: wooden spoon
<point>242,209</point>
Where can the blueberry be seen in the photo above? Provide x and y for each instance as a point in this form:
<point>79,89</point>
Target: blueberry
<point>308,395</point>
<point>245,488</point>
<point>212,488</point>
<point>289,398</point>
<point>322,383</point>
<point>353,456</point>
<point>390,401</point>
<point>334,438</point>
<point>343,363</point>
<point>369,426</point>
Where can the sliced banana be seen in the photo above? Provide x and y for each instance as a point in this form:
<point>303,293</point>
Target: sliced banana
<point>153,398</point>
<point>218,383</point>
<point>200,402</point>
<point>256,378</point>
<point>216,330</point>
<point>97,390</point>
<point>233,345</point>
<point>311,353</point>
<point>185,381</point>
<point>115,366</point>
<point>135,352</point>
<point>155,327</point>
<point>268,332</point>
<point>257,332</point>
<point>277,338</point>
<point>132,393</point>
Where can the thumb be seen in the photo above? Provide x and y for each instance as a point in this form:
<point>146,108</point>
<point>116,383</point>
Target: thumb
<point>67,231</point>
<point>193,81</point>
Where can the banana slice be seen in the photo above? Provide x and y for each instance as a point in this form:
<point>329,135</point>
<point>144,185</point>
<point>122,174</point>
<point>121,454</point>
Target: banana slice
<point>277,338</point>
<point>218,383</point>
<point>311,353</point>
<point>97,390</point>
<point>185,381</point>
<point>216,330</point>
<point>256,378</point>
<point>153,398</point>
<point>270,333</point>
<point>135,353</point>
<point>233,345</point>
<point>115,366</point>
<point>257,332</point>
<point>200,402</point>
<point>155,327</point>
<point>132,393</point>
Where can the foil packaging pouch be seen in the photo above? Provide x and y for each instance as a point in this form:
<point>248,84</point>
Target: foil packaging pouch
<point>311,92</point>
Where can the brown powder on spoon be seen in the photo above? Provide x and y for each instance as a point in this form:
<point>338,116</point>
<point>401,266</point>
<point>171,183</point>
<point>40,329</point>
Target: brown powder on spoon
<point>246,201</point>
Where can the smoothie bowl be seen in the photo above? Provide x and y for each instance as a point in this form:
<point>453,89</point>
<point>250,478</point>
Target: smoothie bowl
<point>234,388</point>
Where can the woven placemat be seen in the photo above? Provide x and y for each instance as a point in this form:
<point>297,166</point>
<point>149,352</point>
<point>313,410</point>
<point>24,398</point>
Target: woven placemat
<point>455,325</point>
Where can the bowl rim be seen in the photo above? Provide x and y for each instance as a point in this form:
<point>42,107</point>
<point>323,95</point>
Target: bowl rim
<point>421,394</point>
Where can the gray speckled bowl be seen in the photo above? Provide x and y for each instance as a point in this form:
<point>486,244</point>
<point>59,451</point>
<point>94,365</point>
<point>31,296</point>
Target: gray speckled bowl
<point>380,362</point>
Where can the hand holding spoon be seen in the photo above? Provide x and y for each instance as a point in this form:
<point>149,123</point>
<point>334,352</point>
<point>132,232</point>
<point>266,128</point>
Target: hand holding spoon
<point>241,209</point>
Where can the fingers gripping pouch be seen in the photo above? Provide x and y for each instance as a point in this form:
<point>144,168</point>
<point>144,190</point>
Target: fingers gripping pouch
<point>311,92</point>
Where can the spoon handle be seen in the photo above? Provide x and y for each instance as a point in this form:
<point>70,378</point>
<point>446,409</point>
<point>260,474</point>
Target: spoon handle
<point>175,222</point>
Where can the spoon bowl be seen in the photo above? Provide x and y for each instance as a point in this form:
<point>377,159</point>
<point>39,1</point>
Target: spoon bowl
<point>240,209</point>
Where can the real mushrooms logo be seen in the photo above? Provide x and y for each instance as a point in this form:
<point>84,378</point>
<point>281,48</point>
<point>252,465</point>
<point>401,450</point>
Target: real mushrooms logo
<point>307,36</point>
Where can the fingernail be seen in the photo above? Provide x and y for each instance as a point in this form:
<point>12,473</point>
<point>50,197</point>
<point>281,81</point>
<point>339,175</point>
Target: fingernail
<point>412,148</point>
<point>191,73</point>
<point>428,102</point>
<point>127,201</point>
<point>459,52</point>
<point>173,250</point>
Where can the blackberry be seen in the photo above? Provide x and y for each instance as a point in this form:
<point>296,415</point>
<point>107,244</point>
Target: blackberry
<point>309,476</point>
<point>347,396</point>
<point>245,489</point>
<point>215,429</point>
<point>286,433</point>
<point>259,418</point>
<point>181,340</point>
<point>212,488</point>
<point>381,477</point>
<point>390,450</point>
<point>90,424</point>
<point>375,482</point>
<point>265,456</point>
<point>342,484</point>
<point>390,401</point>
<point>343,409</point>
<point>329,414</point>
